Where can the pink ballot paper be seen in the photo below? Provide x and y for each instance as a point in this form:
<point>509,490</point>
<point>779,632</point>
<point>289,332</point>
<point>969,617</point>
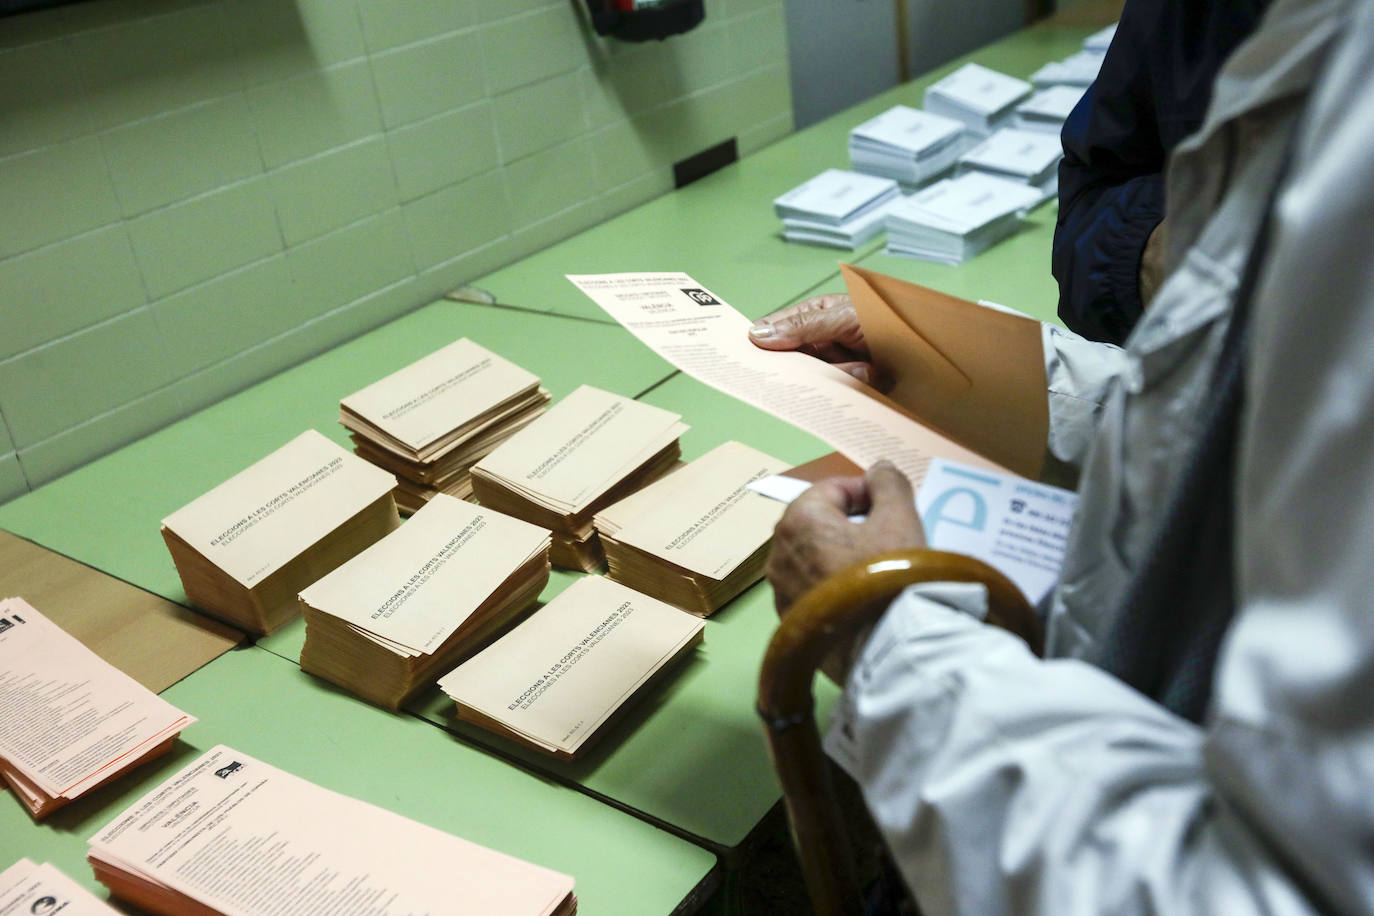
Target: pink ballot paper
<point>706,338</point>
<point>232,835</point>
<point>27,887</point>
<point>69,720</point>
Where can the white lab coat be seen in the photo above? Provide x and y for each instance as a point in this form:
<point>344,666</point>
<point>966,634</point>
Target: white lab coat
<point>1007,784</point>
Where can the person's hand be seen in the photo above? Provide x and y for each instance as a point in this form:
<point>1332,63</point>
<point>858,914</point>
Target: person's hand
<point>1152,265</point>
<point>815,539</point>
<point>826,327</point>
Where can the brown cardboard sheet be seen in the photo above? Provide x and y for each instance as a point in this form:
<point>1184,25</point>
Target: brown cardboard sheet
<point>154,641</point>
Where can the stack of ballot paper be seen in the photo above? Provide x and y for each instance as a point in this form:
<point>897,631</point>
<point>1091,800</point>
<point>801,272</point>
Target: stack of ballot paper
<point>697,537</point>
<point>905,144</point>
<point>232,835</point>
<point>388,622</point>
<point>836,208</point>
<point>246,548</point>
<point>71,720</point>
<point>1078,69</point>
<point>429,422</point>
<point>979,97</point>
<point>28,887</point>
<point>590,450</point>
<point>1048,109</point>
<point>559,678</point>
<point>1027,156</point>
<point>957,218</point>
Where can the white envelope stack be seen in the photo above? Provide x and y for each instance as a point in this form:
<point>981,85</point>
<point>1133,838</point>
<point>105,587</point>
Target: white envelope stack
<point>1078,69</point>
<point>1048,109</point>
<point>905,144</point>
<point>955,219</point>
<point>1101,40</point>
<point>1027,156</point>
<point>836,208</point>
<point>981,98</point>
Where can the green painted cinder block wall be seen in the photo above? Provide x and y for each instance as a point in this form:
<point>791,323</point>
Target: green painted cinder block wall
<point>196,194</point>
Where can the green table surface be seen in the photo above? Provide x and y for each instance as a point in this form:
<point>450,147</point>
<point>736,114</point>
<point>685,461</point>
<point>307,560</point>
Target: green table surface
<point>255,703</point>
<point>722,230</point>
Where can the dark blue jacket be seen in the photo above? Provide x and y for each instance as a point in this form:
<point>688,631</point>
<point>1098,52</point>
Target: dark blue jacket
<point>1152,91</point>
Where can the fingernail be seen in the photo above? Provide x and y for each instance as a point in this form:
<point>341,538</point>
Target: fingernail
<point>862,374</point>
<point>761,330</point>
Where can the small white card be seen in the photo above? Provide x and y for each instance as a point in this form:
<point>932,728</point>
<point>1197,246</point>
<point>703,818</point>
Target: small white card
<point>1056,103</point>
<point>1017,526</point>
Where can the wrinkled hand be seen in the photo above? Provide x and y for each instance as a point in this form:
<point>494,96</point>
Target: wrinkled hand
<point>826,327</point>
<point>815,538</point>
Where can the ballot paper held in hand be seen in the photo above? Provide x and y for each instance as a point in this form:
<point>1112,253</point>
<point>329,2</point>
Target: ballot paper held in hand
<point>1017,526</point>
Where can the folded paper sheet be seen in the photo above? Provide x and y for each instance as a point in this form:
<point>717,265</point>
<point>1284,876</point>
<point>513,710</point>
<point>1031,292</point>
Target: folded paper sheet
<point>976,374</point>
<point>232,835</point>
<point>706,338</point>
<point>557,678</point>
<point>69,720</point>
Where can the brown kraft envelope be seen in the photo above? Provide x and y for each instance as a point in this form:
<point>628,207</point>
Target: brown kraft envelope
<point>974,374</point>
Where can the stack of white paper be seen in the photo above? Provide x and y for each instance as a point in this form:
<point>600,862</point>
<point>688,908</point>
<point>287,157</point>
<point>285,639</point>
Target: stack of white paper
<point>232,835</point>
<point>590,450</point>
<point>957,218</point>
<point>1021,155</point>
<point>1100,41</point>
<point>977,96</point>
<point>1075,70</point>
<point>836,208</point>
<point>905,144</point>
<point>72,721</point>
<point>388,622</point>
<point>28,887</point>
<point>1048,109</point>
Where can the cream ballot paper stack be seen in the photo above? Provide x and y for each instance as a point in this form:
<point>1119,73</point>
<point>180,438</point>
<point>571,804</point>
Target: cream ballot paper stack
<point>907,145</point>
<point>1016,526</point>
<point>27,887</point>
<point>559,678</point>
<point>836,208</point>
<point>232,836</point>
<point>388,622</point>
<point>244,549</point>
<point>955,219</point>
<point>977,96</point>
<point>1027,156</point>
<point>591,449</point>
<point>697,537</point>
<point>429,422</point>
<point>71,721</point>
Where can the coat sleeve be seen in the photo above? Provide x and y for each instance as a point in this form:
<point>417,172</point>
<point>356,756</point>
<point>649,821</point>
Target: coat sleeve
<point>1111,188</point>
<point>1007,784</point>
